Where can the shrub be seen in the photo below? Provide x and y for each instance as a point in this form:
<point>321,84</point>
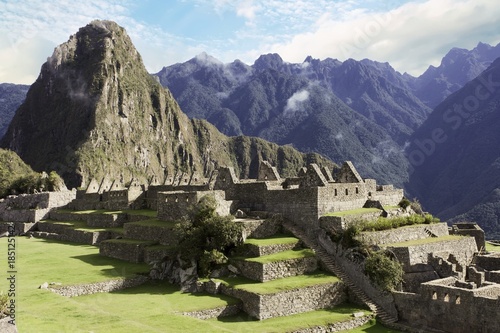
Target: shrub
<point>383,271</point>
<point>404,203</point>
<point>206,236</point>
<point>4,301</point>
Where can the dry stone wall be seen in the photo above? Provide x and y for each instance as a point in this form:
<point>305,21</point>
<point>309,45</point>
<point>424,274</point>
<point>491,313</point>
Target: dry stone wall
<point>289,302</point>
<point>443,306</point>
<point>404,234</point>
<point>463,249</point>
<point>98,287</point>
<point>275,270</point>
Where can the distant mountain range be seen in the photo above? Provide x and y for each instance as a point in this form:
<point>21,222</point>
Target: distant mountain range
<point>11,97</point>
<point>456,157</point>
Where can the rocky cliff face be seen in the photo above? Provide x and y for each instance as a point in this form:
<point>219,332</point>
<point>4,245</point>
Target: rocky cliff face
<point>94,110</point>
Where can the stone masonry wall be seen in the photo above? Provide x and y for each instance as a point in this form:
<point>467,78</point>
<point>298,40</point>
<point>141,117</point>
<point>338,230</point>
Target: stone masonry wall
<point>449,308</point>
<point>275,270</point>
<point>463,249</point>
<point>99,287</point>
<point>404,234</point>
<point>289,302</point>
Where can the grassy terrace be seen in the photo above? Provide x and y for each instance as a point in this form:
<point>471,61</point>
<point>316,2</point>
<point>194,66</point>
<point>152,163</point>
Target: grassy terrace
<point>152,307</point>
<point>280,256</point>
<point>274,286</point>
<point>492,247</point>
<point>425,241</point>
<point>154,223</point>
<point>81,225</point>
<point>143,212</point>
<point>272,240</point>
<point>359,211</point>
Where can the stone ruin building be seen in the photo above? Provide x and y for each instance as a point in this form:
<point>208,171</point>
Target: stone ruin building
<point>450,283</point>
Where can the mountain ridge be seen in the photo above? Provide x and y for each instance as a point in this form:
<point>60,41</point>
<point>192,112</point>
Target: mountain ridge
<point>99,112</point>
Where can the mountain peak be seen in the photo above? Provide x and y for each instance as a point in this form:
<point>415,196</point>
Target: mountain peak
<point>268,61</point>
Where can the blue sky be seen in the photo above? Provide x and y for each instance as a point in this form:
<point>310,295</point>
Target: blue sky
<point>410,35</point>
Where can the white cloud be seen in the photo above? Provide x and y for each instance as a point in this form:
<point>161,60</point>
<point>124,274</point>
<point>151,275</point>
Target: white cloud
<point>409,37</point>
<point>295,101</point>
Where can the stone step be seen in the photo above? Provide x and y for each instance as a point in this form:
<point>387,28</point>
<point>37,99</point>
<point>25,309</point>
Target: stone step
<point>75,232</point>
<point>285,296</point>
<point>151,230</point>
<point>277,265</point>
<point>254,247</point>
<point>19,227</point>
<point>131,250</point>
<point>46,235</point>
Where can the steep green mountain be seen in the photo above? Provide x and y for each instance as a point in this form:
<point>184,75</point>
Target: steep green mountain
<point>94,111</point>
<point>11,96</point>
<point>296,104</point>
<point>457,67</point>
<point>455,156</point>
<point>12,168</point>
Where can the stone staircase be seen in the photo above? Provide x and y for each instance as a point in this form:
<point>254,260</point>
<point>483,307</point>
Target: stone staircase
<point>329,262</point>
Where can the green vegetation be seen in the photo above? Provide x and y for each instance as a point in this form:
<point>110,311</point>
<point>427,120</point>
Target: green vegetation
<point>404,203</point>
<point>383,271</point>
<point>284,255</point>
<point>491,247</point>
<point>154,223</point>
<point>16,177</point>
<point>141,212</point>
<point>383,223</point>
<point>358,211</point>
<point>278,285</point>
<point>428,240</point>
<point>277,239</point>
<point>206,236</point>
<point>149,308</point>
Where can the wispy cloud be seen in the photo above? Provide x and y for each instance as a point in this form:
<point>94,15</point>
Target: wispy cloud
<point>294,103</point>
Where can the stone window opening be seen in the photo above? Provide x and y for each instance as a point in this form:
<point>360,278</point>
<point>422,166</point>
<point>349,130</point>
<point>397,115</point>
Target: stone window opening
<point>187,199</point>
<point>446,297</point>
<point>357,190</point>
<point>176,199</point>
<point>434,295</point>
<point>346,191</point>
<point>335,192</point>
<point>457,299</point>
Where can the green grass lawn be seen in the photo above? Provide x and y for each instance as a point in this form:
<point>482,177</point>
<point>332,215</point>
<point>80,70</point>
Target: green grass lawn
<point>272,240</point>
<point>152,307</point>
<point>154,223</point>
<point>144,212</point>
<point>492,247</point>
<point>425,241</point>
<point>358,211</point>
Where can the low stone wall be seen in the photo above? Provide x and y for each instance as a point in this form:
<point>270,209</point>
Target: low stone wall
<point>128,251</point>
<point>260,228</point>
<point>490,262</point>
<point>99,287</point>
<point>155,254</point>
<point>106,220</point>
<point>463,249</point>
<point>163,235</point>
<point>63,216</point>
<point>252,250</point>
<point>223,311</point>
<point>347,325</point>
<point>275,270</point>
<point>289,302</point>
<point>404,234</point>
